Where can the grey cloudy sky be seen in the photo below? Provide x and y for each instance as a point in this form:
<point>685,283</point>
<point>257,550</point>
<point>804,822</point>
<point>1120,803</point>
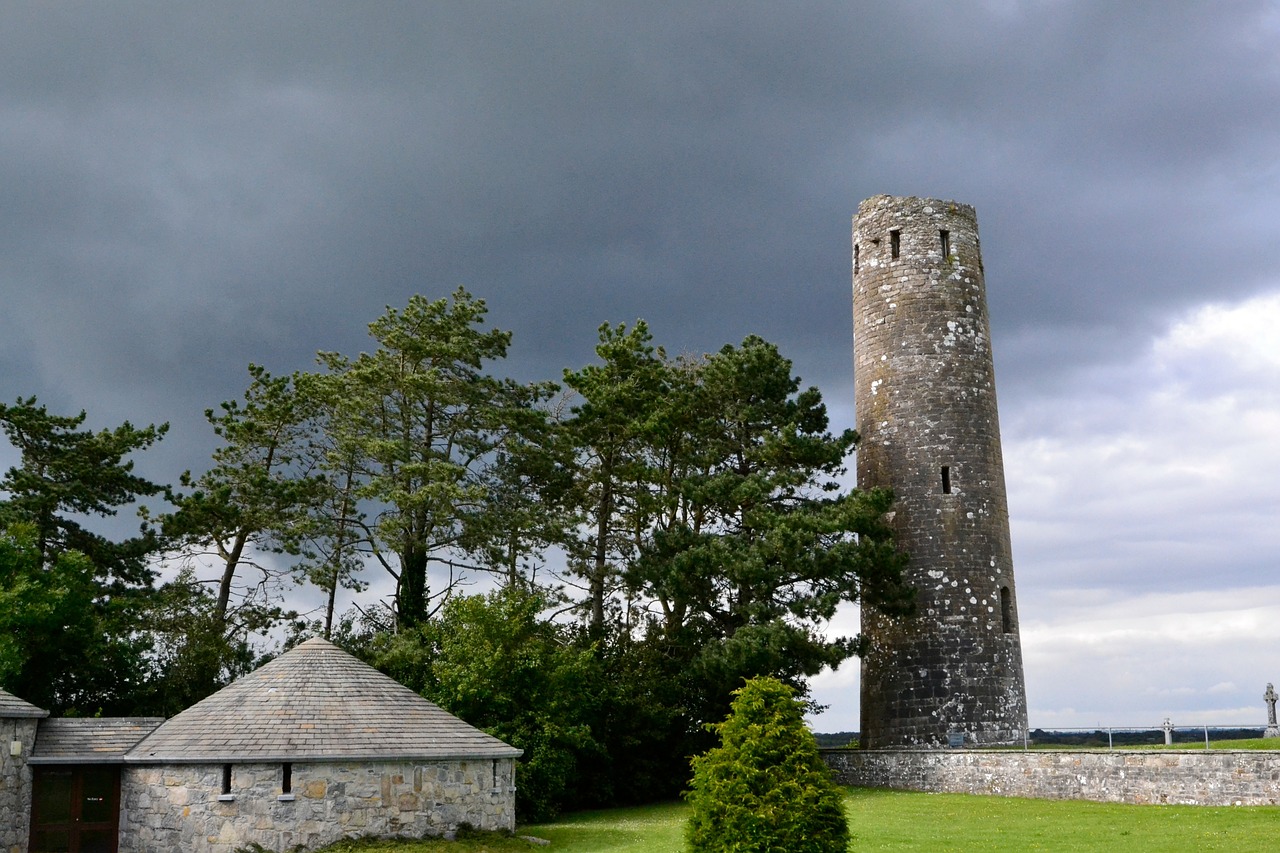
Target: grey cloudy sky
<point>191,187</point>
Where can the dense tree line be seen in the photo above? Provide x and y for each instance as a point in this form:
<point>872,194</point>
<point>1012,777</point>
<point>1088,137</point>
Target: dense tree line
<point>653,530</point>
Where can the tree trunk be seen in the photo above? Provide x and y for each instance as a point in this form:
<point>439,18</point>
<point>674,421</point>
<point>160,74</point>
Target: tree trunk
<point>411,605</point>
<point>596,581</point>
<point>228,576</point>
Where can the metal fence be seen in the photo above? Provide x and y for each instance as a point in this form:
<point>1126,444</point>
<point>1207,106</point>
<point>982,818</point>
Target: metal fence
<point>1112,737</point>
<point>1197,736</point>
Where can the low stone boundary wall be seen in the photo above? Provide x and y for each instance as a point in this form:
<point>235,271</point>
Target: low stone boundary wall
<point>1203,777</point>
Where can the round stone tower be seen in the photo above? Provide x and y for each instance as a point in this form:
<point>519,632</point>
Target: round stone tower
<point>924,386</point>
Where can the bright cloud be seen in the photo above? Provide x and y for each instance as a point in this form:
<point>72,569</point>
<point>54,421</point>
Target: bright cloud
<point>1146,532</point>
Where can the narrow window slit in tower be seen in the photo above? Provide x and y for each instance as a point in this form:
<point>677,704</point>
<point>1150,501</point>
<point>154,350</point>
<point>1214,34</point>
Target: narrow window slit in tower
<point>286,779</point>
<point>1006,610</point>
<point>946,479</point>
<point>855,258</point>
<point>945,238</point>
<point>895,242</point>
<point>226,779</point>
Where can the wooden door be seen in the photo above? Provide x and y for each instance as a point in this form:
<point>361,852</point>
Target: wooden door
<point>75,808</point>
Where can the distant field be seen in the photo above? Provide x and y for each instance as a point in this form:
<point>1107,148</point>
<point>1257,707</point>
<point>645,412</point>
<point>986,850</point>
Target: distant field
<point>1246,743</point>
<point>1186,737</point>
<point>900,821</point>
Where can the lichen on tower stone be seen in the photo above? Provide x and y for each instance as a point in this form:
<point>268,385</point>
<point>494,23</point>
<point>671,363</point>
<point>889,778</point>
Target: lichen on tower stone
<point>924,387</point>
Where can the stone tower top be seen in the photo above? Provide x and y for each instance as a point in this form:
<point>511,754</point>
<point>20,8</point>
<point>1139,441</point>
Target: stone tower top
<point>917,230</point>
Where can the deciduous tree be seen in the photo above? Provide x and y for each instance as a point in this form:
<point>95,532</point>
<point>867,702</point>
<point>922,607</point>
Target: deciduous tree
<point>65,645</point>
<point>493,661</point>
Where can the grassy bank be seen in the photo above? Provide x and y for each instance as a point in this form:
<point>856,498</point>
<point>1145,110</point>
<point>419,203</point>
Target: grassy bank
<point>899,821</point>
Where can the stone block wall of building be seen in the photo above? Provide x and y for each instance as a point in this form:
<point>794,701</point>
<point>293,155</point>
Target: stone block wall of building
<point>925,394</point>
<point>1188,777</point>
<point>15,782</point>
<point>181,807</point>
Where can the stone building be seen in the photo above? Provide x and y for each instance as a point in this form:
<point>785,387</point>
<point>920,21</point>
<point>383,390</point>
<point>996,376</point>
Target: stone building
<point>314,747</point>
<point>925,395</point>
<point>18,722</point>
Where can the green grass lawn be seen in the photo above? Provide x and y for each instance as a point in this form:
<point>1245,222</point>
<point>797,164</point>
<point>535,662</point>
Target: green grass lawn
<point>890,820</point>
<point>899,821</point>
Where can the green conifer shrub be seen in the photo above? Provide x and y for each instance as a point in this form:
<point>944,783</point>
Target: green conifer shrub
<point>765,789</point>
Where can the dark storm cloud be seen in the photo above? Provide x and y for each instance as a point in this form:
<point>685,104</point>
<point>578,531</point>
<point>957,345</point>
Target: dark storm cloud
<point>191,187</point>
<point>227,182</point>
<point>198,186</point>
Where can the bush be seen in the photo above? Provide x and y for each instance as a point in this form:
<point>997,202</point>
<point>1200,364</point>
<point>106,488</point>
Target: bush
<point>765,789</point>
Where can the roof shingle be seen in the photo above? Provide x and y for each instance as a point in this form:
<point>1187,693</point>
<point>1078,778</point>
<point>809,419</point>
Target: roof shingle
<point>315,702</point>
<point>90,740</point>
<point>11,706</point>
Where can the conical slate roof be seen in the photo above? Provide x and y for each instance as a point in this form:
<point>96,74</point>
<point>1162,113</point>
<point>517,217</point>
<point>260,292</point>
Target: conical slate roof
<point>318,703</point>
<point>11,706</point>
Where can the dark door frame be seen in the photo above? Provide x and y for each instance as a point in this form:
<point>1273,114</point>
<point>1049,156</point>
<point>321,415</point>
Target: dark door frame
<point>74,824</point>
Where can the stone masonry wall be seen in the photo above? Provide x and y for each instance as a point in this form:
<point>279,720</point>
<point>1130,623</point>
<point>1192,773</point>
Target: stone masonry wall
<point>15,783</point>
<point>166,808</point>
<point>1190,777</point>
<point>924,386</point>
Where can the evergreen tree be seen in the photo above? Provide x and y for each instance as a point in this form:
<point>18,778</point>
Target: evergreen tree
<point>72,600</point>
<point>611,432</point>
<point>753,545</point>
<point>335,534</point>
<point>67,473</point>
<point>422,422</point>
<point>714,538</point>
<point>251,502</point>
<point>765,789</point>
